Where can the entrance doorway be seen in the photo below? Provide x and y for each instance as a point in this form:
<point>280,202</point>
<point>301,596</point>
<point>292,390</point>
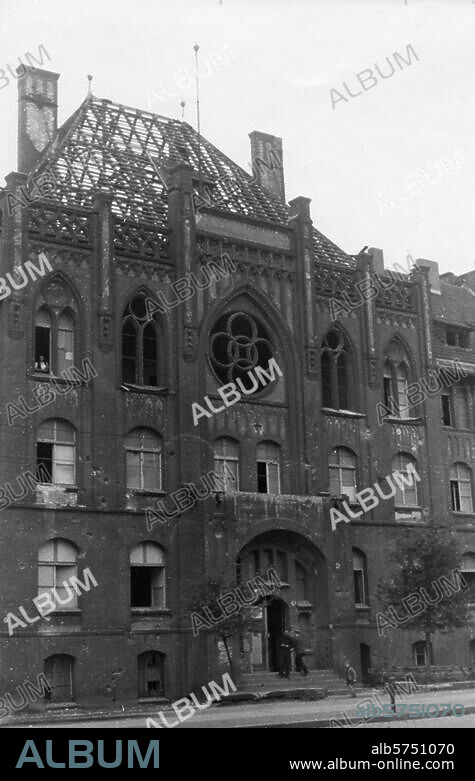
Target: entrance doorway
<point>276,623</point>
<point>365,659</point>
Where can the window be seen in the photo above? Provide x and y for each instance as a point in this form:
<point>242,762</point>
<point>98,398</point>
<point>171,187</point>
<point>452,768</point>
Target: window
<point>56,452</point>
<point>301,587</point>
<point>461,488</point>
<point>335,368</point>
<point>57,564</point>
<point>239,343</point>
<point>140,345</point>
<point>226,451</point>
<point>143,460</point>
<point>59,672</point>
<point>447,415</point>
<point>395,381</point>
<point>468,570</point>
<point>457,337</point>
<point>407,496</point>
<point>147,576</point>
<point>342,468</point>
<point>268,468</point>
<point>461,403</point>
<point>54,341</point>
<point>65,350</point>
<point>360,580</point>
<point>419,651</point>
<point>43,328</point>
<point>150,674</point>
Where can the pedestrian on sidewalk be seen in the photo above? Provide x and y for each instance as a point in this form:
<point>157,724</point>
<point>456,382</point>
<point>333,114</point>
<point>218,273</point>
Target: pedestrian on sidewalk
<point>299,649</point>
<point>350,675</point>
<point>389,678</point>
<point>286,643</point>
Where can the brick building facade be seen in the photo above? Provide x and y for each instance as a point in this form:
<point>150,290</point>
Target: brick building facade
<point>108,200</point>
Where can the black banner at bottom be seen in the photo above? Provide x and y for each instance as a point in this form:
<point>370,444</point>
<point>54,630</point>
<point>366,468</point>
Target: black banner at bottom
<point>216,752</point>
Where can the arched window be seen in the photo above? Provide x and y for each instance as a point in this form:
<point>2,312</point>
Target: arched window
<point>268,468</point>
<point>301,582</point>
<point>335,368</point>
<point>55,329</point>
<point>65,348</point>
<point>140,345</point>
<point>143,460</point>
<point>56,452</point>
<point>396,374</point>
<point>59,672</point>
<point>57,564</point>
<point>150,674</point>
<point>147,576</point>
<point>226,452</point>
<point>419,652</point>
<point>43,332</point>
<point>360,578</point>
<point>342,469</point>
<point>468,569</point>
<point>407,496</point>
<point>461,488</point>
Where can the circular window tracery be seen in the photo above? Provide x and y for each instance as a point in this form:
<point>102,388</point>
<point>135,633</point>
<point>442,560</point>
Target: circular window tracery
<point>238,344</point>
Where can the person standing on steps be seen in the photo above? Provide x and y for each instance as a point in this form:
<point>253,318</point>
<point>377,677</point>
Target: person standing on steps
<point>300,665</point>
<point>350,675</point>
<point>389,679</point>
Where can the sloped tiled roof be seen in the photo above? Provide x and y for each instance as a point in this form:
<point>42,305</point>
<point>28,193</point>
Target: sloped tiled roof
<point>456,305</point>
<point>105,145</point>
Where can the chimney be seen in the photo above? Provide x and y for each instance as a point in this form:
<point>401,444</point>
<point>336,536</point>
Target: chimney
<point>37,113</point>
<point>267,162</point>
<point>434,280</point>
<point>378,259</point>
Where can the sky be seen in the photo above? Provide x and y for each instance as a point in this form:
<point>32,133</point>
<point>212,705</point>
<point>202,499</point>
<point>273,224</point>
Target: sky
<point>372,164</point>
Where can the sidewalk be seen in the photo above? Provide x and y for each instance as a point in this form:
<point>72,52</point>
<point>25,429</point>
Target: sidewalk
<point>259,713</point>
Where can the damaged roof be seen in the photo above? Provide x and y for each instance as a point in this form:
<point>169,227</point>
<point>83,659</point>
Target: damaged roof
<point>105,145</point>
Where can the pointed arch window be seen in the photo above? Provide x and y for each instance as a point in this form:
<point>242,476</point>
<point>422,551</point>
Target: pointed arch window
<point>54,340</point>
<point>396,379</point>
<point>140,345</point>
<point>335,366</point>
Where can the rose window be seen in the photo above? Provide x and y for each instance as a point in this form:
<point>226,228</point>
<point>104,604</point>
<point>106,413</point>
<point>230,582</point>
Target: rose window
<point>238,344</point>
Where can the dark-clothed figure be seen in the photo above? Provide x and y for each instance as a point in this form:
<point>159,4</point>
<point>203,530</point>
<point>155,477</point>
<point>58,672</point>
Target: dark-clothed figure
<point>300,665</point>
<point>350,675</point>
<point>389,679</point>
<point>286,643</point>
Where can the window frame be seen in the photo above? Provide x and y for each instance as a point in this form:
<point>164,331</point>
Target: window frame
<point>54,444</point>
<point>54,563</point>
<point>339,467</point>
<point>55,367</point>
<point>142,432</point>
<point>220,459</point>
<point>340,394</point>
<point>455,485</point>
<point>160,569</point>
<point>361,569</point>
<point>406,489</point>
<point>269,462</point>
<point>141,324</point>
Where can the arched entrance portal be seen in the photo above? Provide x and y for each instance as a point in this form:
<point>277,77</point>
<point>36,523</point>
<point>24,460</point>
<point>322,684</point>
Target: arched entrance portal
<point>301,602</point>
